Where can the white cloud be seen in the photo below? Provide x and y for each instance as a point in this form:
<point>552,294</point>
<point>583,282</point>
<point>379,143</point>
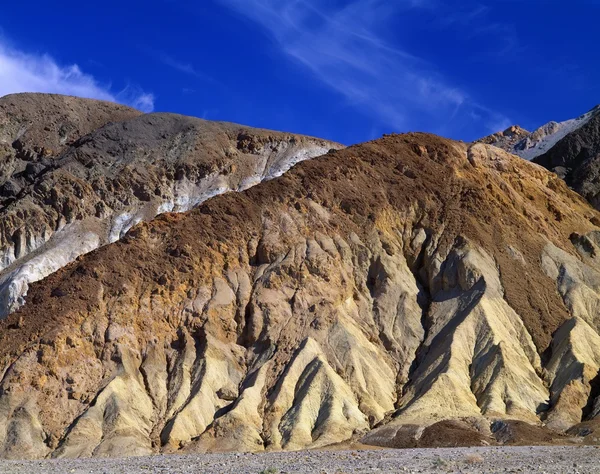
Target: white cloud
<point>136,98</point>
<point>345,48</point>
<point>144,102</point>
<point>23,72</point>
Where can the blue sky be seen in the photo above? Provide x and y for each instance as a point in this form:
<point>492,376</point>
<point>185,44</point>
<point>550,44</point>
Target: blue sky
<point>344,70</point>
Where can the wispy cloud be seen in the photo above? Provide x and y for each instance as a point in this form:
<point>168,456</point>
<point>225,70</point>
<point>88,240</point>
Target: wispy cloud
<point>476,21</point>
<point>25,72</point>
<point>345,49</point>
<point>463,15</point>
<point>184,67</point>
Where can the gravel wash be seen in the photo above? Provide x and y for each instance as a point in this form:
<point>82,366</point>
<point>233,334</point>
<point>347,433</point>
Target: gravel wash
<point>551,459</point>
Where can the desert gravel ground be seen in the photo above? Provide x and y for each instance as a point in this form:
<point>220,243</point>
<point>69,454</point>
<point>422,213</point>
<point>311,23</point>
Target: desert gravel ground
<point>559,460</point>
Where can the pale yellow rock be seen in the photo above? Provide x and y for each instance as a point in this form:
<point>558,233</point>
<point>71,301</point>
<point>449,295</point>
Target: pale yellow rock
<point>311,405</point>
<point>119,422</point>
<point>217,369</point>
<point>479,351</point>
<point>240,429</point>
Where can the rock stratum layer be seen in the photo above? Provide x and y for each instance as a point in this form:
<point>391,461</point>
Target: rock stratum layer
<point>410,291</point>
<point>77,174</point>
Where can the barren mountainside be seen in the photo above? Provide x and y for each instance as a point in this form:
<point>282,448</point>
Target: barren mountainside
<point>410,291</point>
<point>530,145</point>
<point>77,174</point>
<point>571,149</point>
<point>507,140</point>
<point>576,158</point>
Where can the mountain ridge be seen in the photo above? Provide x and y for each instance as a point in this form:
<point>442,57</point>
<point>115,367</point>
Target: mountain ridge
<point>408,291</point>
<point>305,311</point>
<point>530,145</point>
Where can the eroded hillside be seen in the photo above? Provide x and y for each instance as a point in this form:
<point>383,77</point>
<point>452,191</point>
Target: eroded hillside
<point>373,292</point>
<point>76,174</point>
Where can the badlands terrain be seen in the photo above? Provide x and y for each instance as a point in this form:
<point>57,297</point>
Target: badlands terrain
<point>172,285</point>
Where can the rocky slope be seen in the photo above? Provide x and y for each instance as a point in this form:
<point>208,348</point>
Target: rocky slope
<point>77,174</point>
<point>407,292</point>
<point>571,149</point>
<point>507,140</point>
<point>576,158</point>
<point>530,145</point>
<point>35,128</point>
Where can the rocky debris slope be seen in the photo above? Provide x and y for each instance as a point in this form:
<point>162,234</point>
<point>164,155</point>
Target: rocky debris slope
<point>406,291</point>
<point>77,174</point>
